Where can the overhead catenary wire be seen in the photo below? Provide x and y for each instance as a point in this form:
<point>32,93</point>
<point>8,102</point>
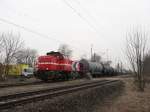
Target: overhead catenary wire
<point>27,29</point>
<point>48,37</point>
<point>37,33</point>
<point>81,16</point>
<point>86,11</point>
<point>79,4</point>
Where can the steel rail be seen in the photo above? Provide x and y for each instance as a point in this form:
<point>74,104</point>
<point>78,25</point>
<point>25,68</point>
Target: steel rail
<point>29,93</point>
<point>20,84</point>
<point>27,98</point>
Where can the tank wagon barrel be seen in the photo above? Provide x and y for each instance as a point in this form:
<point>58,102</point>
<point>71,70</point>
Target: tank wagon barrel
<point>96,69</point>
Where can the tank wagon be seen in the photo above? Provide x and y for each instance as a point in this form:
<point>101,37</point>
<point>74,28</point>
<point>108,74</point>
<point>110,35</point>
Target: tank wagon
<point>95,69</point>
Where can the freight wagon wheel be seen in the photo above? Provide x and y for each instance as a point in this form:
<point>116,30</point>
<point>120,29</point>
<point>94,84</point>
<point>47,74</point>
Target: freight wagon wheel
<point>43,76</point>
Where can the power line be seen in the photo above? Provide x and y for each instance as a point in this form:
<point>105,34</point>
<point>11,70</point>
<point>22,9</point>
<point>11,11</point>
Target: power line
<point>80,15</point>
<point>45,36</point>
<point>85,10</point>
<point>90,15</point>
<point>34,32</point>
<point>27,29</point>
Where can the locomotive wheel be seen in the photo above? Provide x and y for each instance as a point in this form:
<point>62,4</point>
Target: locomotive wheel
<point>43,76</point>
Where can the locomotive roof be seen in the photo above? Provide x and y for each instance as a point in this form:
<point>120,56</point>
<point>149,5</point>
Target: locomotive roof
<point>55,53</point>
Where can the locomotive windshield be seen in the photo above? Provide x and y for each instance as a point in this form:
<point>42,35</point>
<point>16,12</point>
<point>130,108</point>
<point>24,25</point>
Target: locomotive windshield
<point>56,54</point>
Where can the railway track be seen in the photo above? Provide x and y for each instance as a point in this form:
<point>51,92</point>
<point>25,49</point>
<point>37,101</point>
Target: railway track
<point>26,84</point>
<point>20,84</point>
<point>9,101</point>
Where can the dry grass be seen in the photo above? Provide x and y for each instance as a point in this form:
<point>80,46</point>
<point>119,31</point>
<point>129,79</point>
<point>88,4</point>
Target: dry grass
<point>129,101</point>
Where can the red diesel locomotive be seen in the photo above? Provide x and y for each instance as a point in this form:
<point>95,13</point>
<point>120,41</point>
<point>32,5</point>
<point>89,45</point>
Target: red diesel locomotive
<point>55,65</point>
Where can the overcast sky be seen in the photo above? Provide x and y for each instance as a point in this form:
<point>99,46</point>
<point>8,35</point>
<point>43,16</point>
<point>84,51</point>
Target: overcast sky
<point>78,23</point>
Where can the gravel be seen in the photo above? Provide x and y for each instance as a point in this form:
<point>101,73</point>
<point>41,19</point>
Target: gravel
<point>81,101</point>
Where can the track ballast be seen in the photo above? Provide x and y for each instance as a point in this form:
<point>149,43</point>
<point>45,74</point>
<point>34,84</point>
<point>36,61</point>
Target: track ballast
<point>12,100</point>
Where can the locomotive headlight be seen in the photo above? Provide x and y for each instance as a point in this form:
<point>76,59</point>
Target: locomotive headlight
<point>46,68</point>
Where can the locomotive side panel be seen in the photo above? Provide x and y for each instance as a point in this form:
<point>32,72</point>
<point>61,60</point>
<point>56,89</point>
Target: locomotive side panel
<point>47,63</point>
<point>65,65</point>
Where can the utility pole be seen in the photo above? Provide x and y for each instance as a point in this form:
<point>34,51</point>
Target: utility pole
<point>118,67</point>
<point>121,67</point>
<point>94,57</point>
<point>91,51</point>
<point>107,54</point>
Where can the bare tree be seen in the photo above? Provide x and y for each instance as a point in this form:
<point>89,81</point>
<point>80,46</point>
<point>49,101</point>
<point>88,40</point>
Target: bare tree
<point>12,44</point>
<point>1,44</point>
<point>26,56</point>
<point>119,67</point>
<point>106,63</point>
<point>96,58</point>
<point>1,65</point>
<point>84,56</point>
<point>1,71</point>
<point>136,51</point>
<point>147,65</point>
<point>64,49</point>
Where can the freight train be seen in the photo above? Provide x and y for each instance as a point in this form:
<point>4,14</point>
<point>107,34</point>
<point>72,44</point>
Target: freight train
<point>55,65</point>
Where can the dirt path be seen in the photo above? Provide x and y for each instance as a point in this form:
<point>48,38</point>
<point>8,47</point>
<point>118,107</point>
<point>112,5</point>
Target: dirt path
<point>129,101</point>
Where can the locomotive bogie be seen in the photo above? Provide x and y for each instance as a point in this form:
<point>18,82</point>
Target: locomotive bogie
<point>52,75</point>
